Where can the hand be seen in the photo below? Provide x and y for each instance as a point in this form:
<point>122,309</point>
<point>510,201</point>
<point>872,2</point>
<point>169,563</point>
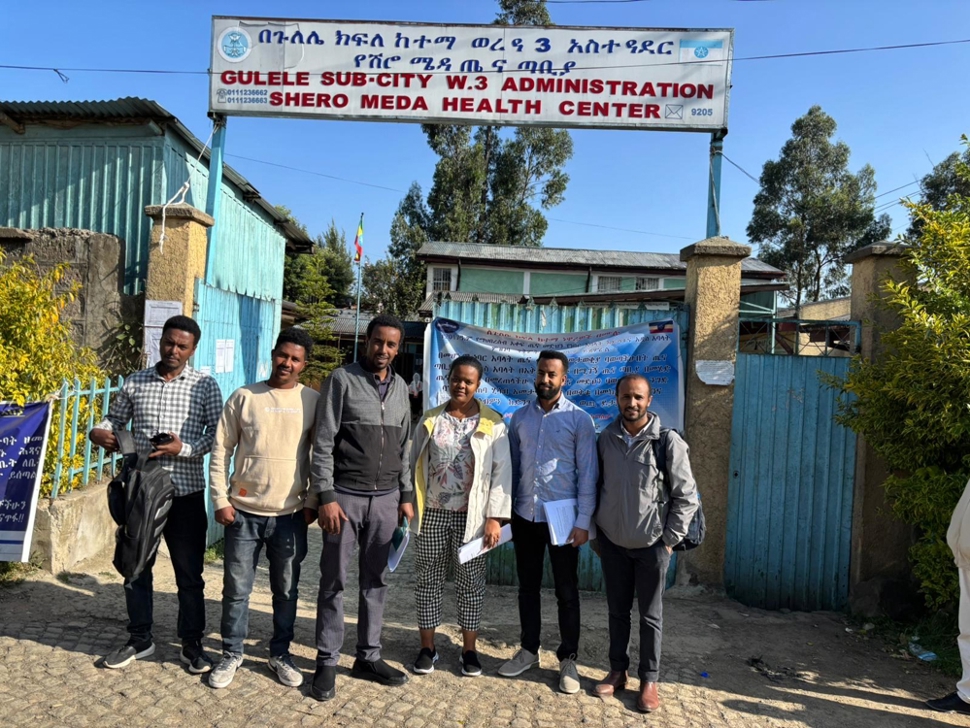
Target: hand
<point>226,516</point>
<point>172,448</point>
<point>331,515</point>
<point>493,532</point>
<point>405,510</point>
<point>104,438</point>
<point>578,537</point>
<point>309,515</point>
<point>670,549</point>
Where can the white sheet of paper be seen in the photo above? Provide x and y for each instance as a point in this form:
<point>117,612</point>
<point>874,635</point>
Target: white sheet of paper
<point>220,356</point>
<point>476,547</point>
<point>561,517</point>
<point>230,346</point>
<point>717,373</point>
<point>158,312</point>
<point>394,558</point>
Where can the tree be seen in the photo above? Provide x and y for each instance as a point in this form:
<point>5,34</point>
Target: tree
<point>911,403</point>
<point>937,186</point>
<point>396,284</point>
<point>811,210</point>
<point>338,264</point>
<point>486,182</point>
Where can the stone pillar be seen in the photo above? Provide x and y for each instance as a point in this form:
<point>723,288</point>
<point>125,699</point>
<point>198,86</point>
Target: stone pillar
<point>175,263</point>
<point>879,563</point>
<point>714,296</point>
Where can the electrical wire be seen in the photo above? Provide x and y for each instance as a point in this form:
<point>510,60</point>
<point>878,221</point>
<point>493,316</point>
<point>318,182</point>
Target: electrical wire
<point>743,170</point>
<point>315,173</point>
<point>623,230</point>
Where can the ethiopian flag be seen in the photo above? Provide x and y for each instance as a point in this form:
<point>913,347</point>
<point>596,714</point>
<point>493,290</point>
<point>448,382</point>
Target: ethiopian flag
<point>359,240</point>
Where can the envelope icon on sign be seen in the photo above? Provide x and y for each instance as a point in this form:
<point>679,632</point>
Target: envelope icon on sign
<point>674,111</point>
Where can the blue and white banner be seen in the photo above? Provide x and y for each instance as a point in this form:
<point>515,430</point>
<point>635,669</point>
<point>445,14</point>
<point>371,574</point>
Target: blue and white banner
<point>23,443</point>
<point>597,359</point>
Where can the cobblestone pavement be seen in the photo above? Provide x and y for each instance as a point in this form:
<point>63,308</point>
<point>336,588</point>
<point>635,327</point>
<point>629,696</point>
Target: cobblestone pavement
<point>53,630</point>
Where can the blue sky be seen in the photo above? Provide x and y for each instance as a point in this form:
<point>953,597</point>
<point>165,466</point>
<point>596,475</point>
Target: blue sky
<point>899,111</point>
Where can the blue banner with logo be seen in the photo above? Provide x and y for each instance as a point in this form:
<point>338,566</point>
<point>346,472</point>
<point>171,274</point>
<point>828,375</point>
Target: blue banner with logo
<point>597,359</point>
<point>23,442</point>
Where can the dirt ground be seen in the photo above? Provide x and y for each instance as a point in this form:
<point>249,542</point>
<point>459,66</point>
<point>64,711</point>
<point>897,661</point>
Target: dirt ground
<point>810,672</point>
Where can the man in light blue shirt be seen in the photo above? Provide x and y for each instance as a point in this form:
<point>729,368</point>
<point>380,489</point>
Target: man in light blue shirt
<point>553,445</point>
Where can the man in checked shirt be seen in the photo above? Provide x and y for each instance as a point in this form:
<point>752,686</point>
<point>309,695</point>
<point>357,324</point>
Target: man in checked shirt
<point>175,399</point>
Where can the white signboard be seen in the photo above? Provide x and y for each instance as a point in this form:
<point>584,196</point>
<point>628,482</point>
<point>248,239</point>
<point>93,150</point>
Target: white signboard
<point>641,78</point>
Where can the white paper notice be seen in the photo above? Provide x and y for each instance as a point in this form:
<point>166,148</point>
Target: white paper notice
<point>561,516</point>
<point>153,339</point>
<point>717,373</point>
<point>230,345</point>
<point>220,356</point>
<point>158,312</point>
<point>476,547</point>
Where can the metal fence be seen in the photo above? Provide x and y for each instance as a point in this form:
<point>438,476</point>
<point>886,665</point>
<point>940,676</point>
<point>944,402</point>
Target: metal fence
<point>79,406</point>
<point>798,337</point>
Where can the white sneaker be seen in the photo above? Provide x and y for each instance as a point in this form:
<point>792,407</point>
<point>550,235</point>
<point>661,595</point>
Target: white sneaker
<point>286,671</point>
<point>568,676</point>
<point>225,671</point>
<point>521,661</point>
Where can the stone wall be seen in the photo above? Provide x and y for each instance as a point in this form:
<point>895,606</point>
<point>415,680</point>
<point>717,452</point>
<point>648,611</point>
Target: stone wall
<point>96,262</point>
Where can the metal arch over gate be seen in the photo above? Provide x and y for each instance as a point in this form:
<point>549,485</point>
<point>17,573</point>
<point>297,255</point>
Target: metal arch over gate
<point>792,468</point>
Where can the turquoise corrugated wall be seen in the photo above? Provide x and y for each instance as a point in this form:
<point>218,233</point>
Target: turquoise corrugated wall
<point>792,473</point>
<point>552,320</point>
<point>101,178</point>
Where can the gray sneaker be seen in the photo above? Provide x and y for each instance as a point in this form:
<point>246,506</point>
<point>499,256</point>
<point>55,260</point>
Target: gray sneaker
<point>225,671</point>
<point>521,661</point>
<point>568,676</point>
<point>286,671</point>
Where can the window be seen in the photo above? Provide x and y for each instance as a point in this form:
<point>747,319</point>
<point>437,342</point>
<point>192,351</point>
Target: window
<point>441,280</point>
<point>608,284</point>
<point>647,284</point>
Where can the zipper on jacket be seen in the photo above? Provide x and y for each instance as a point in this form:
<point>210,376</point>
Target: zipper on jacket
<point>380,460</point>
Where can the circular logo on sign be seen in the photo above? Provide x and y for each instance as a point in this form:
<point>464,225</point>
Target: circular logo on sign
<point>701,52</point>
<point>234,45</point>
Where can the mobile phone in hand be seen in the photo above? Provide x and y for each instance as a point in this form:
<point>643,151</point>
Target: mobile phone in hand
<point>162,438</point>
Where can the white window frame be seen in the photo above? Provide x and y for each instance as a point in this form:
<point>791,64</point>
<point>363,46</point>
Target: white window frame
<point>647,283</point>
<point>601,278</point>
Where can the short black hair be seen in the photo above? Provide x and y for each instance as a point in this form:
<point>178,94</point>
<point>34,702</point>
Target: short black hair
<point>629,377</point>
<point>466,360</point>
<point>186,324</point>
<point>385,319</point>
<point>295,335</point>
<point>557,355</point>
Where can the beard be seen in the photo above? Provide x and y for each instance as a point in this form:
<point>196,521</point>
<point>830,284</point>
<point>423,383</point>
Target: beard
<point>548,394</point>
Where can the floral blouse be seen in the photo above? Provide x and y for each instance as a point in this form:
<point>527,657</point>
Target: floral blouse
<point>452,463</point>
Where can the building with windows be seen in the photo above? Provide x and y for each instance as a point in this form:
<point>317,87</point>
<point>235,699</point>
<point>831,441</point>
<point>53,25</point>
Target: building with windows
<point>512,274</point>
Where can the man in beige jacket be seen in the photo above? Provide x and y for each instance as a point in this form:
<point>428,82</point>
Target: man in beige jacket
<point>958,539</point>
<point>269,426</point>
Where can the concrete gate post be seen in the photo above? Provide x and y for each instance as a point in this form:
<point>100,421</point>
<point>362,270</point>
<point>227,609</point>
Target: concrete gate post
<point>713,295</point>
<point>175,263</point>
<point>879,561</point>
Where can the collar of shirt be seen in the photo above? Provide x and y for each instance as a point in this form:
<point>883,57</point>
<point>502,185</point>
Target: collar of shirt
<point>630,439</point>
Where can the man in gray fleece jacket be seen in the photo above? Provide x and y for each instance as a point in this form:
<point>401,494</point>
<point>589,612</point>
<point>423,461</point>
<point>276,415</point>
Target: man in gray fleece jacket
<point>640,518</point>
<point>361,476</point>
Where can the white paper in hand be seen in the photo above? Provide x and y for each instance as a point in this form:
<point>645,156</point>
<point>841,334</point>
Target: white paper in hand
<point>476,547</point>
<point>561,518</point>
<point>399,543</point>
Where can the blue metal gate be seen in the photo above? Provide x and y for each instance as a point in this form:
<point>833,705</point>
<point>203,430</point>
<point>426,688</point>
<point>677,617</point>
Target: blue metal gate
<point>792,468</point>
<point>252,324</point>
<point>554,319</point>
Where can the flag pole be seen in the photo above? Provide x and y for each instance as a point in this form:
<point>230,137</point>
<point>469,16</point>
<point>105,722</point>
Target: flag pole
<point>360,261</point>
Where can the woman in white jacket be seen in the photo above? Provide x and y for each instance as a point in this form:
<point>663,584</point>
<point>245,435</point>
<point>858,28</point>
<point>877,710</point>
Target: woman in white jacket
<point>463,489</point>
<point>958,539</point>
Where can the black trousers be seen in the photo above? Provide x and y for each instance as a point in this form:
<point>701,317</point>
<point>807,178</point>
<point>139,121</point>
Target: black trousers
<point>530,540</point>
<point>644,570</point>
<point>185,536</point>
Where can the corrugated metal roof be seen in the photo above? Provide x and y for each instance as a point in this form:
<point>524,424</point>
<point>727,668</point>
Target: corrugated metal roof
<point>575,257</point>
<point>136,110</point>
<point>344,320</point>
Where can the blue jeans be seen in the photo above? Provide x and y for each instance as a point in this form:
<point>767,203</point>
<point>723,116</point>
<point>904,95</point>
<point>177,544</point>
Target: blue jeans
<point>285,541</point>
<point>185,537</point>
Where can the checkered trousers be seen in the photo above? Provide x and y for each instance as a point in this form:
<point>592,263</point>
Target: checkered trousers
<point>438,543</point>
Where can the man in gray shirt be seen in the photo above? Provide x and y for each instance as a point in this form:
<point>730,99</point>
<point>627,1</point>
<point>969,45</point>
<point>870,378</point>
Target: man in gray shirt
<point>644,511</point>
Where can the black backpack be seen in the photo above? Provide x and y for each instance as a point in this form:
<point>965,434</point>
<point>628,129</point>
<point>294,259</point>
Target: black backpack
<point>139,499</point>
<point>698,526</point>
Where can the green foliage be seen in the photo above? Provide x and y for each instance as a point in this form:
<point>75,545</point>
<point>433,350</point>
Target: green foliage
<point>937,186</point>
<point>811,211</point>
<point>912,403</point>
<point>37,351</point>
<point>338,262</point>
<point>123,352</point>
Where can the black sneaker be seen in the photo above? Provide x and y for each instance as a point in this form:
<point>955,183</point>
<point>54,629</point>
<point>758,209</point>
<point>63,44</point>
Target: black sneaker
<point>424,665</point>
<point>124,656</point>
<point>470,666</point>
<point>952,703</point>
<point>324,685</point>
<point>194,657</point>
<point>377,671</point>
